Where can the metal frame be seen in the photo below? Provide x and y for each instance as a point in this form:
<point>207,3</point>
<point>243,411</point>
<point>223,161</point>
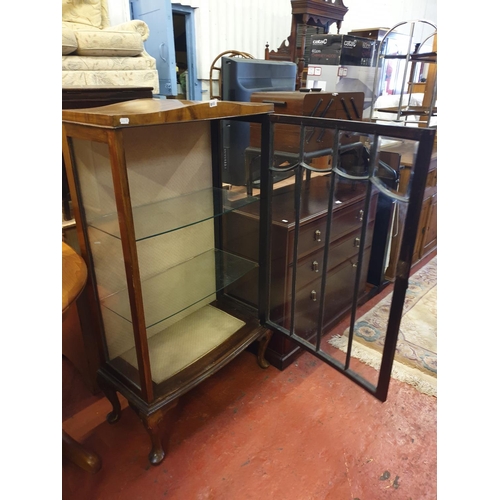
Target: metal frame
<point>408,58</point>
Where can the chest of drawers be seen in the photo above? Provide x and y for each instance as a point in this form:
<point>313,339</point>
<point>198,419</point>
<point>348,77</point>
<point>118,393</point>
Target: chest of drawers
<point>343,249</point>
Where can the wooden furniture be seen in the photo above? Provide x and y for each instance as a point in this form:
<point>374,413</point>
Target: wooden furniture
<point>317,142</point>
<point>101,95</point>
<point>145,176</point>
<point>309,17</point>
<point>242,232</point>
<point>342,105</point>
<point>373,33</point>
<point>78,345</point>
<point>426,241</point>
<point>90,97</point>
<point>74,278</point>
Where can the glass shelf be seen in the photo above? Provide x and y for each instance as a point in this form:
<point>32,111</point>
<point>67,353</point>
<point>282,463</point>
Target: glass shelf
<point>166,294</point>
<point>409,110</point>
<point>172,214</point>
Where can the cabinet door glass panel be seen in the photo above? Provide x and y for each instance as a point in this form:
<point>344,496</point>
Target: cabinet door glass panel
<point>334,236</point>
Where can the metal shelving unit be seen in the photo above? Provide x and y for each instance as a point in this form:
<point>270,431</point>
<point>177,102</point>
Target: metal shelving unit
<point>411,61</point>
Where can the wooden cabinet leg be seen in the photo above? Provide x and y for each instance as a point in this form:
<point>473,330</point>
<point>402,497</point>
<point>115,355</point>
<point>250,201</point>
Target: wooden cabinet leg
<point>112,396</point>
<point>79,455</point>
<point>263,343</point>
<point>156,427</point>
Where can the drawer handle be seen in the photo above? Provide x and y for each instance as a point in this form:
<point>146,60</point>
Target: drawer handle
<point>361,215</point>
<point>317,235</point>
<point>315,266</point>
<point>355,264</point>
<point>313,295</point>
<point>357,242</point>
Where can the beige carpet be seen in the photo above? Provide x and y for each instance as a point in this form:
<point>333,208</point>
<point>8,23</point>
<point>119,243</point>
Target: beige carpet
<point>416,352</point>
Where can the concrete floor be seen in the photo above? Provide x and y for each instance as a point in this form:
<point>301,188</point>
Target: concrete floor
<point>247,433</point>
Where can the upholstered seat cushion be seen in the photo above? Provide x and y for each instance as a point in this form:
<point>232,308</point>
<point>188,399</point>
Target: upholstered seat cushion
<point>108,43</point>
<point>69,43</point>
<point>119,77</point>
<point>93,63</point>
<point>96,53</point>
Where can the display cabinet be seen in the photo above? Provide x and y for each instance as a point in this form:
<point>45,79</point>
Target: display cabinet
<point>145,179</point>
<point>186,272</point>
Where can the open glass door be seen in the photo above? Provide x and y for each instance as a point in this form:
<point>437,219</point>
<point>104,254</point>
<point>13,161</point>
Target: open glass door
<point>329,231</point>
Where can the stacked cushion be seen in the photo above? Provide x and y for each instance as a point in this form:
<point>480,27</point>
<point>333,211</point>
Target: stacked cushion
<point>108,43</point>
<point>69,42</point>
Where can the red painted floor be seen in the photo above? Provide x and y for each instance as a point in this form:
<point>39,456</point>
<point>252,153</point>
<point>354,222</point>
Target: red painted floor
<point>247,433</point>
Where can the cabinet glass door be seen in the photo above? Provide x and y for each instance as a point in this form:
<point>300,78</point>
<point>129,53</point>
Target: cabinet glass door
<point>336,218</point>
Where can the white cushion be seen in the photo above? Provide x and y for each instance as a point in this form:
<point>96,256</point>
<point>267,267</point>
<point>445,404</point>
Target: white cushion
<point>82,11</point>
<point>69,43</point>
<point>108,43</point>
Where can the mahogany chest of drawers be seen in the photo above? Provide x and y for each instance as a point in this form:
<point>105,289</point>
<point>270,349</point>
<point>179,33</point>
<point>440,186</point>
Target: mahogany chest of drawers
<point>240,237</point>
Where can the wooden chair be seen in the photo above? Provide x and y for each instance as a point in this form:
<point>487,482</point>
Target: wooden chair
<point>74,277</point>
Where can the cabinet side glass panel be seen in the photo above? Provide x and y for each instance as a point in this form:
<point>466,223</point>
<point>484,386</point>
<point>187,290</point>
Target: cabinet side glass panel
<point>97,199</point>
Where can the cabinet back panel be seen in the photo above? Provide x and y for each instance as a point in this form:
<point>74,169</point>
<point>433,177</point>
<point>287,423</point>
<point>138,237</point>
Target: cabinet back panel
<point>168,160</point>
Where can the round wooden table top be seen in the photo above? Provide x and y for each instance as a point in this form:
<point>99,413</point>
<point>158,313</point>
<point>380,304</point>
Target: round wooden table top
<point>74,276</point>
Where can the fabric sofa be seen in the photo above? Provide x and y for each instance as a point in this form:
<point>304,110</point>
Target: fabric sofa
<point>95,53</point>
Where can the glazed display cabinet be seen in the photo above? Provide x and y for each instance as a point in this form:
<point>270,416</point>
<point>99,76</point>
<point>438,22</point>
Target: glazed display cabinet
<point>186,272</point>
<point>148,200</point>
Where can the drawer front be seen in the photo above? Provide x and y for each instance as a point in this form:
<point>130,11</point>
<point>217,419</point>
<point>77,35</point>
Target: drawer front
<point>431,184</point>
<point>312,235</point>
<point>339,292</point>
<point>432,178</point>
<point>311,266</point>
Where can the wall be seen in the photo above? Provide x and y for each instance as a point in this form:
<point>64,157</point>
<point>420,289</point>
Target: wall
<point>386,13</point>
<point>248,25</point>
<point>228,25</point>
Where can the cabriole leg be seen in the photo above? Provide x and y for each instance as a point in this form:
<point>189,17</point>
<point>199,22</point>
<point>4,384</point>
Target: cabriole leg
<point>155,426</point>
<point>112,396</point>
<point>263,343</point>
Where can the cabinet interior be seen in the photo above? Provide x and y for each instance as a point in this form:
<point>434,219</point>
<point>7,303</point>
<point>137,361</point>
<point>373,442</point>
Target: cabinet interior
<point>175,206</point>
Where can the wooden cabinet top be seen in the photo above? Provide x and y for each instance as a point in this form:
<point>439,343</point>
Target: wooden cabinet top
<point>141,112</point>
<point>407,151</point>
<point>314,202</point>
<point>332,10</point>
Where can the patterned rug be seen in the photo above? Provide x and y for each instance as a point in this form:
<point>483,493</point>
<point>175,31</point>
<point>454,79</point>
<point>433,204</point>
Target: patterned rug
<point>416,352</point>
